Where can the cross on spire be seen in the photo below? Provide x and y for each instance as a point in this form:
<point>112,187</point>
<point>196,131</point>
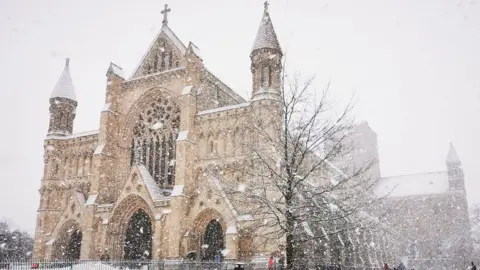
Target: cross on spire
<point>266,7</point>
<point>165,14</point>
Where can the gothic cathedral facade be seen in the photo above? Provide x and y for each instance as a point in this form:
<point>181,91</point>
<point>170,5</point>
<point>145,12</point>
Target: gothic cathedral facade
<point>139,187</point>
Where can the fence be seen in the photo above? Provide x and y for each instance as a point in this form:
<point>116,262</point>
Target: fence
<point>158,265</point>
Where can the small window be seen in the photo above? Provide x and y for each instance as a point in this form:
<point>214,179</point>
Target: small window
<point>211,147</point>
<point>155,62</point>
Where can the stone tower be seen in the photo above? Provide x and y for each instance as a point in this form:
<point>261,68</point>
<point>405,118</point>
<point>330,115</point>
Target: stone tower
<point>62,104</point>
<point>456,179</point>
<point>266,57</point>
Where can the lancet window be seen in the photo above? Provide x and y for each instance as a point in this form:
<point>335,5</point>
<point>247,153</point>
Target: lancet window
<point>153,143</point>
<point>266,76</point>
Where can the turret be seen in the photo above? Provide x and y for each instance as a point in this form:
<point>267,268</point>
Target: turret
<point>62,104</point>
<point>456,179</point>
<point>266,57</point>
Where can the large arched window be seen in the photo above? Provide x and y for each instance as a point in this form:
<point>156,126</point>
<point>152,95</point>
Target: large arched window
<point>154,141</point>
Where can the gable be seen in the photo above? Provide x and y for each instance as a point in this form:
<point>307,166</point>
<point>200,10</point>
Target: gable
<point>140,179</point>
<point>166,52</point>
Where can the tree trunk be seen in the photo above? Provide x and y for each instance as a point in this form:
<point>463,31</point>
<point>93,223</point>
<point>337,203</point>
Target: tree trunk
<point>289,248</point>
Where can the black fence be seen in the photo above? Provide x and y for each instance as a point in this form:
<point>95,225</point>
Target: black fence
<point>160,265</point>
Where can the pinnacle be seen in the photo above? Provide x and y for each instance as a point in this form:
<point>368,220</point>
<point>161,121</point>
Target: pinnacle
<point>64,87</point>
<point>452,156</point>
<point>266,37</point>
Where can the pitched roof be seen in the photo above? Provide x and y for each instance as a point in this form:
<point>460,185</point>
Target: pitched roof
<point>152,187</point>
<point>266,37</point>
<point>117,70</point>
<point>64,87</point>
<point>452,156</point>
<point>413,184</point>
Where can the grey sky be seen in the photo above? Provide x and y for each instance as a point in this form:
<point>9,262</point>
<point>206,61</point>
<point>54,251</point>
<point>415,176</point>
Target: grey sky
<point>413,64</point>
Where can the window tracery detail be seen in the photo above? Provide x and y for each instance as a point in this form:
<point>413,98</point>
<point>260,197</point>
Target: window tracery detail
<point>154,141</point>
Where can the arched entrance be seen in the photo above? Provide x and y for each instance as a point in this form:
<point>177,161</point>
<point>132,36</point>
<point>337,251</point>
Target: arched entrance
<point>68,242</point>
<point>213,242</point>
<point>138,237</point>
<point>72,250</point>
<point>131,219</point>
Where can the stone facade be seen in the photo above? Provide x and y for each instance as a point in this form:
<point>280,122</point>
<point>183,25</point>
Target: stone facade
<point>161,133</point>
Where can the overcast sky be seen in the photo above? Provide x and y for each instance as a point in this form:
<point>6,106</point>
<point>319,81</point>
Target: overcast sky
<point>414,66</point>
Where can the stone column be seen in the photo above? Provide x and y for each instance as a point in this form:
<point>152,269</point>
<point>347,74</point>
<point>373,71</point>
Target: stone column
<point>48,250</point>
<point>39,242</point>
<point>231,245</point>
<point>87,233</point>
<point>173,227</point>
<point>157,239</point>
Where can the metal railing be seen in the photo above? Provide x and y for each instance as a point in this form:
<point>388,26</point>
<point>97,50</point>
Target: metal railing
<point>161,265</point>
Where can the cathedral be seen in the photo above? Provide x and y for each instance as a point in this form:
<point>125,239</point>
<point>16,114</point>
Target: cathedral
<point>429,211</point>
<point>138,187</point>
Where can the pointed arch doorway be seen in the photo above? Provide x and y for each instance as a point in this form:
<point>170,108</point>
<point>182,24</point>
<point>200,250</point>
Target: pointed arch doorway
<point>213,242</point>
<point>68,245</point>
<point>138,237</point>
<point>72,251</point>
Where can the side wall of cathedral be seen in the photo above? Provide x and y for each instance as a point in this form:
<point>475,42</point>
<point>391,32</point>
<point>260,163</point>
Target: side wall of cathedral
<point>434,226</point>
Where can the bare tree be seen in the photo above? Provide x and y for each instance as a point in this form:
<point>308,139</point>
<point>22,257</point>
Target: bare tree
<point>303,184</point>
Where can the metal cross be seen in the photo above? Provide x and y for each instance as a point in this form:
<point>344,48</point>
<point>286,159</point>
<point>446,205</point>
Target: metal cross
<point>266,6</point>
<point>165,14</point>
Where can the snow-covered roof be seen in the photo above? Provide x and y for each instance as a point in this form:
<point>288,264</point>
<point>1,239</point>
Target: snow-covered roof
<point>226,108</point>
<point>99,149</point>
<point>91,199</point>
<point>214,79</point>
<point>177,191</point>
<point>266,37</point>
<point>194,49</point>
<point>50,242</point>
<point>452,156</point>
<point>152,187</point>
<point>213,179</point>
<point>413,184</point>
<point>64,87</point>
<point>116,70</point>
<point>76,135</point>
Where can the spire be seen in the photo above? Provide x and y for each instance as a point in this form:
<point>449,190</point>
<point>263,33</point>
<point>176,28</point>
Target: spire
<point>452,157</point>
<point>266,37</point>
<point>64,87</point>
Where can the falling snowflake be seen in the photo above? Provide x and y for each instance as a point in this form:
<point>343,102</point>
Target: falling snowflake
<point>241,187</point>
<point>157,126</point>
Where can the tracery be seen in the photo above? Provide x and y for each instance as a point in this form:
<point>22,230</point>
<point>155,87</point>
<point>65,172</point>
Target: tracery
<point>153,143</point>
